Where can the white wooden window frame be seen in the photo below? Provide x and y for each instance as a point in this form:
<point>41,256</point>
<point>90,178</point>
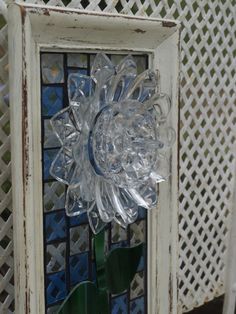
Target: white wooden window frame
<point>34,28</point>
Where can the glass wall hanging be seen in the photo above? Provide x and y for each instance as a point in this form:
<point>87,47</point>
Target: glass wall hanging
<point>47,256</point>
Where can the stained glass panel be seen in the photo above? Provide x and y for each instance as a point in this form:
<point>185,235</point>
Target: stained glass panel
<point>68,252</point>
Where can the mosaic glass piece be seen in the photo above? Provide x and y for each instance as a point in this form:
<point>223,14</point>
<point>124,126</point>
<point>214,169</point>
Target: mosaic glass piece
<point>137,285</point>
<point>78,220</point>
<point>116,59</point>
<point>137,232</point>
<point>142,213</point>
<point>52,68</point>
<point>79,268</point>
<point>79,239</point>
<point>48,156</point>
<point>55,226</point>
<point>118,233</point>
<point>54,196</point>
<point>56,287</point>
<point>119,305</point>
<point>50,139</point>
<point>55,257</point>
<point>137,306</point>
<point>91,60</point>
<point>52,100</point>
<point>142,262</point>
<point>78,71</point>
<point>141,63</point>
<point>119,244</point>
<point>78,60</point>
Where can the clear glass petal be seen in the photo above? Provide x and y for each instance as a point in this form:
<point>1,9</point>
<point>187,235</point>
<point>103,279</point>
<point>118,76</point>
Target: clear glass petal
<point>127,66</point>
<point>102,68</point>
<point>126,72</point>
<point>79,87</point>
<point>74,204</point>
<point>67,125</point>
<point>126,209</point>
<point>118,86</point>
<point>78,156</point>
<point>144,86</point>
<point>161,169</point>
<point>63,166</point>
<point>95,220</point>
<point>118,219</point>
<point>103,200</point>
<point>87,182</point>
<point>146,194</point>
<point>162,105</point>
<point>129,205</point>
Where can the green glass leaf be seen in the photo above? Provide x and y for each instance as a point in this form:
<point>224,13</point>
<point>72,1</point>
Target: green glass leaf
<point>121,266</point>
<point>83,299</point>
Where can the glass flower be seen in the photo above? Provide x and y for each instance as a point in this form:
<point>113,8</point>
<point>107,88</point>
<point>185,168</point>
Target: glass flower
<point>115,144</point>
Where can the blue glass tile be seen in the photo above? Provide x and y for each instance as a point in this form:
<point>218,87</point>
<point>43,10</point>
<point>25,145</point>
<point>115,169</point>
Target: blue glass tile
<point>55,257</point>
<point>55,226</point>
<point>79,220</point>
<point>142,213</point>
<point>54,196</point>
<point>141,263</point>
<point>119,305</point>
<point>119,244</point>
<point>56,287</point>
<point>137,306</point>
<point>52,100</point>
<point>48,157</point>
<point>79,268</point>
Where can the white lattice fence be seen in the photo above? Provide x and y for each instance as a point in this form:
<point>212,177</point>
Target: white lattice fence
<point>6,245</point>
<point>207,115</point>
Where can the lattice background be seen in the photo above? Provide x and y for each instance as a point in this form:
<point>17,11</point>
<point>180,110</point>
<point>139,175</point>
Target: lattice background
<point>207,117</point>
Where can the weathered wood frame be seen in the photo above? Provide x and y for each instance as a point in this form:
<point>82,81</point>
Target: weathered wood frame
<point>33,28</point>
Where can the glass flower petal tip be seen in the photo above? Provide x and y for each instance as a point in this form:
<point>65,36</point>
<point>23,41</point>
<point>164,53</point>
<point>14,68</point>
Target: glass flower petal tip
<point>115,142</point>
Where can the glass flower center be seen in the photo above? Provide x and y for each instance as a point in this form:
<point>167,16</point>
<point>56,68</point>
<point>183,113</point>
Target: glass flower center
<point>123,143</point>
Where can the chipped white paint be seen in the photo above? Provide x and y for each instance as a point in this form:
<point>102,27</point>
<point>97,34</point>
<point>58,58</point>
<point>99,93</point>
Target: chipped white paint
<point>33,28</point>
